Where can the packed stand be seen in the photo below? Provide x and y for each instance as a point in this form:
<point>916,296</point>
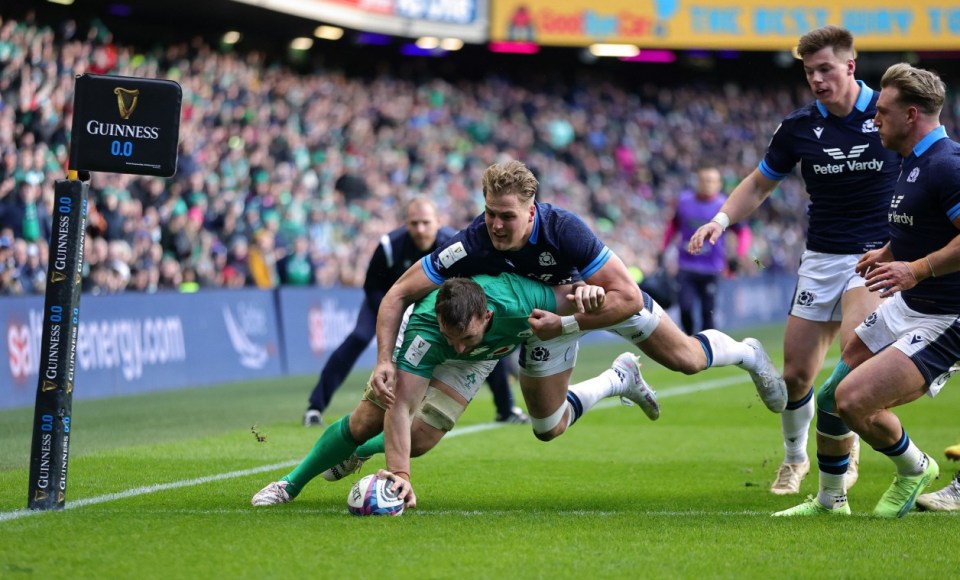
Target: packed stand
<point>289,178</point>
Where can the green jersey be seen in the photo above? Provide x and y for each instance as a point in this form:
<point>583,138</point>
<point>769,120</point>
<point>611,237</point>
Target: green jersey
<point>511,298</point>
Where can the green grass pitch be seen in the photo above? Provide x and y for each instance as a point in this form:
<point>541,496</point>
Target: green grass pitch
<point>160,487</point>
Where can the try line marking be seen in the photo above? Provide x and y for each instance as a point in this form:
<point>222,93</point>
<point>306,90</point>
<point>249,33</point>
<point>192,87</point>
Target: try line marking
<point>664,394</point>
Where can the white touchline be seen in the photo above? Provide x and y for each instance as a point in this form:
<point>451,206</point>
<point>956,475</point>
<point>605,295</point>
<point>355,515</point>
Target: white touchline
<point>16,514</point>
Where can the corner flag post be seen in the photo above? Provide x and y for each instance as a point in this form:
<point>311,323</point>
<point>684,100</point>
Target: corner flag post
<point>120,125</point>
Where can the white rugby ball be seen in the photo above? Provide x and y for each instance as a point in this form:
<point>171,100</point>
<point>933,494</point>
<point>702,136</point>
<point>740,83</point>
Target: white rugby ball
<point>372,496</point>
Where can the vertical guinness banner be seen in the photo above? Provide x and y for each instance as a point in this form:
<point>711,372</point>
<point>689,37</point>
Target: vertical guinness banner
<point>120,125</point>
<point>61,317</point>
<point>125,125</point>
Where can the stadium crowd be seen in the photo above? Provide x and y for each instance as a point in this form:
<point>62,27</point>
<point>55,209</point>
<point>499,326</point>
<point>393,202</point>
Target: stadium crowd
<point>291,178</point>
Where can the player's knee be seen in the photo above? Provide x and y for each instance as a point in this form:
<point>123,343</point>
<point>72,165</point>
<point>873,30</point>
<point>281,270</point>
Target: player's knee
<point>850,407</point>
<point>548,435</point>
<point>798,381</point>
<point>832,426</point>
<point>826,400</point>
<point>419,448</point>
<point>439,410</point>
<point>549,428</point>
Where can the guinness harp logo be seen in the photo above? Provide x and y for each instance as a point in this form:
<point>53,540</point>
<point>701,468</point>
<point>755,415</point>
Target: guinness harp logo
<point>126,101</point>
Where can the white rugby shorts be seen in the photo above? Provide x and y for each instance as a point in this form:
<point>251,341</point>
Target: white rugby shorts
<point>932,341</point>
<point>823,280</point>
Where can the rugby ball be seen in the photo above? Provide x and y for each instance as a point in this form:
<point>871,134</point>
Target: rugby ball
<point>372,496</point>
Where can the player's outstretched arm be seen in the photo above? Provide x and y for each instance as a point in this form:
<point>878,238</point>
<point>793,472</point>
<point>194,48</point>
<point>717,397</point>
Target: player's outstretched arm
<point>579,298</point>
<point>621,299</point>
<point>570,299</point>
<point>412,286</point>
<point>410,390</point>
<point>743,201</point>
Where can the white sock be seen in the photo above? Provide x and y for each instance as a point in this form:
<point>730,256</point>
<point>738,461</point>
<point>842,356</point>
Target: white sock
<point>727,351</point>
<point>910,462</point>
<point>832,494</point>
<point>599,387</point>
<point>571,414</point>
<point>795,424</point>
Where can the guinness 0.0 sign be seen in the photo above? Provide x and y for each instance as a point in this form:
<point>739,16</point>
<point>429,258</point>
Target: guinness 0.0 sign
<point>125,125</point>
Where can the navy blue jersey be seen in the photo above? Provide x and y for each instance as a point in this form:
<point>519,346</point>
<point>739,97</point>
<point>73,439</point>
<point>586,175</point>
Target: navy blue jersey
<point>393,256</point>
<point>561,250</point>
<point>925,203</point>
<point>848,173</point>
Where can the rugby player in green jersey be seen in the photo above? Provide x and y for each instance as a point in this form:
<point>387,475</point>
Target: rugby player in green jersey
<point>451,341</point>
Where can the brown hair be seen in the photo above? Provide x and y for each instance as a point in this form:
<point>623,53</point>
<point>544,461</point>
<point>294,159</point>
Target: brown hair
<point>511,177</point>
<point>459,301</point>
<point>839,39</point>
<point>916,86</point>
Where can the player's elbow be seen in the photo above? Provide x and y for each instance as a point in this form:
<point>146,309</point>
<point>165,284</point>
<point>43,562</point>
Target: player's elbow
<point>632,301</point>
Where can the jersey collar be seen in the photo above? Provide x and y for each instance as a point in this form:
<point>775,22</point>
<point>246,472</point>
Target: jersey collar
<point>863,101</point>
<point>928,141</point>
<point>535,234</point>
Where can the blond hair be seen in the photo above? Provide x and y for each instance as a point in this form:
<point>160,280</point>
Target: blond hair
<point>917,87</point>
<point>511,177</point>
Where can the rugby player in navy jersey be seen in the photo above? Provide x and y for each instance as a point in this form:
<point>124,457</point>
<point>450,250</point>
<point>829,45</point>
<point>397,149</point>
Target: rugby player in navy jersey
<point>917,271</point>
<point>519,235</point>
<point>397,251</point>
<point>849,177</point>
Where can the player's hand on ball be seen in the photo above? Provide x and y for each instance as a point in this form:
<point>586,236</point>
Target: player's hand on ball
<point>588,297</point>
<point>545,325</point>
<point>382,381</point>
<point>402,487</point>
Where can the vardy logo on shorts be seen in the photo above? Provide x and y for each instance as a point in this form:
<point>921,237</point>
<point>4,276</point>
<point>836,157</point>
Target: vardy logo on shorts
<point>806,298</point>
<point>871,320</point>
<point>540,354</point>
